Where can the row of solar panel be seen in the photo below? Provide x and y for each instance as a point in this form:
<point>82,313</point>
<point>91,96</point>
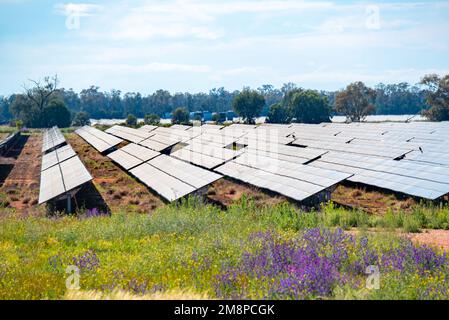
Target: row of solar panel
<point>62,171</point>
<point>51,139</point>
<point>98,139</point>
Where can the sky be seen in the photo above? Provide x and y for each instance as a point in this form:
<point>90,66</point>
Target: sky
<point>197,45</point>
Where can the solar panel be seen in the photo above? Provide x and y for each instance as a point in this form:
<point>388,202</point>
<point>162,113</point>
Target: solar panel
<point>394,175</point>
<point>52,138</point>
<point>74,173</point>
<point>124,159</point>
<point>164,184</point>
<point>98,139</point>
<point>140,152</point>
<point>130,134</point>
<point>62,178</point>
<point>108,138</point>
<point>180,127</point>
<point>321,177</point>
<point>53,158</point>
<point>148,128</point>
<point>51,185</point>
<point>289,187</point>
<point>192,175</point>
<point>198,159</point>
<point>159,142</point>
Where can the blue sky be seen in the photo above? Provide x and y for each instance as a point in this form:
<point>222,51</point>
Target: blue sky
<point>198,45</point>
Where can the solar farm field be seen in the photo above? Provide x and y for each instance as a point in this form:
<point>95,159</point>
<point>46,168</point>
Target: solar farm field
<point>237,212</point>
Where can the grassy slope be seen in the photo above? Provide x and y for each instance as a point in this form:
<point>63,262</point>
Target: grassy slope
<point>180,248</point>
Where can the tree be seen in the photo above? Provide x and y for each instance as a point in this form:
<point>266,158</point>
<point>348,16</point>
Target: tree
<point>308,106</point>
<point>131,120</point>
<point>278,113</point>
<point>356,101</point>
<point>82,118</point>
<point>437,97</point>
<point>180,116</point>
<point>248,104</point>
<point>41,94</point>
<point>56,114</point>
<point>152,119</point>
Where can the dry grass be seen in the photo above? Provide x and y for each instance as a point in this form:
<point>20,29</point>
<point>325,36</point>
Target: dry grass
<point>227,192</point>
<point>124,295</point>
<point>375,202</point>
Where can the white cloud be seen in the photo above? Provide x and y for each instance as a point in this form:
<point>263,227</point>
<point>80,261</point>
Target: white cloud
<point>78,9</point>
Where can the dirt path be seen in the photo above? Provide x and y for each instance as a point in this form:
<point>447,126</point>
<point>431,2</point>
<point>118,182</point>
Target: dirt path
<point>116,187</point>
<point>21,186</point>
<point>432,238</point>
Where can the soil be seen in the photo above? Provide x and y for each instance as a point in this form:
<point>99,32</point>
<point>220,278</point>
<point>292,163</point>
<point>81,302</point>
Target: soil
<point>21,167</point>
<point>375,202</point>
<point>226,192</point>
<point>433,238</point>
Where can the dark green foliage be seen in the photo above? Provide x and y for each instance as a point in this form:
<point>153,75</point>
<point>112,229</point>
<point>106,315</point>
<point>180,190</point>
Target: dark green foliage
<point>131,120</point>
<point>56,114</point>
<point>278,114</point>
<point>180,116</point>
<point>81,119</point>
<point>437,97</point>
<point>308,106</point>
<point>248,105</point>
<point>401,98</point>
<point>356,101</point>
<point>153,119</point>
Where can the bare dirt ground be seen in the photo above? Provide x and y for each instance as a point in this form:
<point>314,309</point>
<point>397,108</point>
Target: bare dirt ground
<point>116,187</point>
<point>434,238</point>
<point>375,202</point>
<point>21,185</point>
<point>226,192</point>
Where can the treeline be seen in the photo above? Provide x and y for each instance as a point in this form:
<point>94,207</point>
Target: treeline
<point>45,104</point>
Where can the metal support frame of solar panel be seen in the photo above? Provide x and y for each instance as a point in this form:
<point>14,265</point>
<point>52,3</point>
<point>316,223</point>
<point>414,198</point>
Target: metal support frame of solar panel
<point>98,139</point>
<point>52,138</point>
<point>173,178</point>
<point>129,134</point>
<point>132,155</point>
<point>386,176</point>
<point>61,179</point>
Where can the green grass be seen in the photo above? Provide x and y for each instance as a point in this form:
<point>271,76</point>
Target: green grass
<point>178,247</point>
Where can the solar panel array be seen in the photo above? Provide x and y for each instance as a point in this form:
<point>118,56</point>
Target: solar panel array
<point>52,138</point>
<point>62,171</point>
<point>296,160</point>
<point>98,139</point>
